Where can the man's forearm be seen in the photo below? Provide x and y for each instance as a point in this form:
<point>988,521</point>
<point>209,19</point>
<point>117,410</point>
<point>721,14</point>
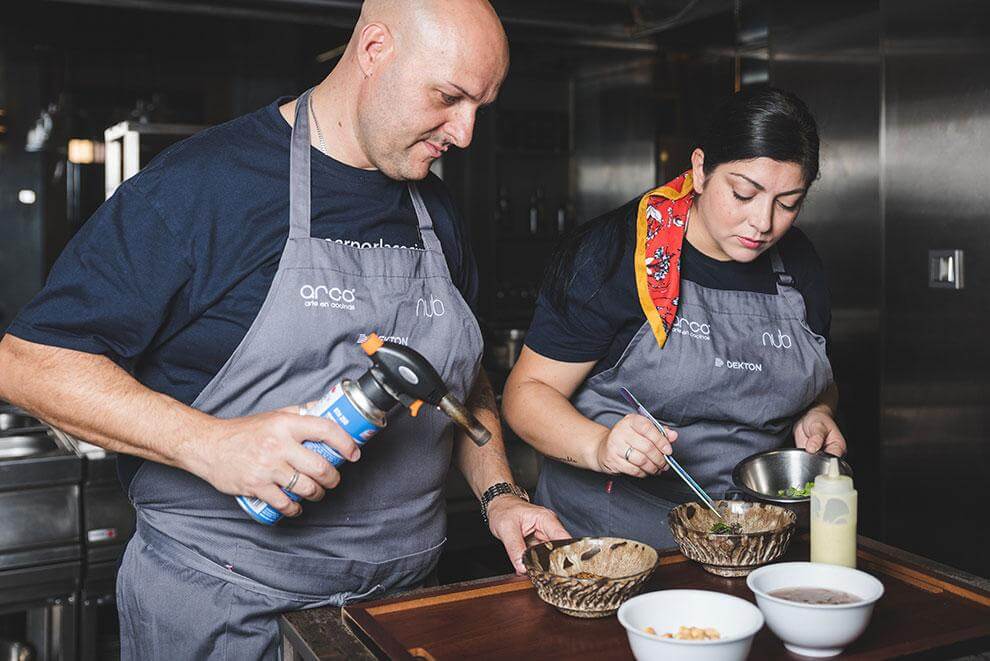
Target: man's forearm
<point>487,465</point>
<point>89,396</point>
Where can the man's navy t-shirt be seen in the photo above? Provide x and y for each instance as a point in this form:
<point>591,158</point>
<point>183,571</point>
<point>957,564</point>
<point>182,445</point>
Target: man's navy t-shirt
<point>168,275</point>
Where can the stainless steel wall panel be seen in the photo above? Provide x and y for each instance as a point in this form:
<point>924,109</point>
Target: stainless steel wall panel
<point>936,359</point>
<point>902,96</point>
<point>637,122</point>
<point>614,136</point>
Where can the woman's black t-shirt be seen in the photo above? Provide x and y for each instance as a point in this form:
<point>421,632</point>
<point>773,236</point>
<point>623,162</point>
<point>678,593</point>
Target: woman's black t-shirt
<point>601,307</point>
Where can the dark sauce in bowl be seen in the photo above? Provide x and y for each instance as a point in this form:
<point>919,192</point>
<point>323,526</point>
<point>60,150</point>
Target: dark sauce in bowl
<point>816,596</point>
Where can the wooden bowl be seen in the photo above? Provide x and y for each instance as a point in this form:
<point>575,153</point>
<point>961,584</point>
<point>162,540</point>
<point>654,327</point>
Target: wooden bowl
<point>766,534</point>
<point>591,576</point>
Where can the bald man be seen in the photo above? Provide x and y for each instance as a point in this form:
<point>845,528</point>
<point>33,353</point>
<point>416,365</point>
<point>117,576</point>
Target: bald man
<point>232,280</point>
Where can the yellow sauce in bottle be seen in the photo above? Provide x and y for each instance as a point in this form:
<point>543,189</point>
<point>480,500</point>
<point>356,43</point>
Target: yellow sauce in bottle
<point>833,518</point>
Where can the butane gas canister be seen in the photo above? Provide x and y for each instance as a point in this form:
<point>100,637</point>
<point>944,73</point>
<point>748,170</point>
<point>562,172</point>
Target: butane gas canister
<point>350,408</point>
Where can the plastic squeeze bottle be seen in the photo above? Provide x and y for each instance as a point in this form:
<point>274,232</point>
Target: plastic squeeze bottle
<point>833,518</point>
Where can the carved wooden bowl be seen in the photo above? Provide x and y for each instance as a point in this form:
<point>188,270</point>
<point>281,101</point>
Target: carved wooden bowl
<point>591,576</point>
<point>765,535</point>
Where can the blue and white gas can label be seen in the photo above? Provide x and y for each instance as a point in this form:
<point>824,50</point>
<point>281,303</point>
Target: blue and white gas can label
<point>336,406</point>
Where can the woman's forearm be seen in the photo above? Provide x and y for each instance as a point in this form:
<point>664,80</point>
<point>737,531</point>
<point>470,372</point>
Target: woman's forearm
<point>828,401</point>
<point>548,421</point>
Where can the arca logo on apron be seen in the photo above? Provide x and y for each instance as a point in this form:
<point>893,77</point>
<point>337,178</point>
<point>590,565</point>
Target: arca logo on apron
<point>321,296</point>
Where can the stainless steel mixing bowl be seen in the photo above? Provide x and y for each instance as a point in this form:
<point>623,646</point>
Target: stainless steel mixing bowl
<point>762,475</point>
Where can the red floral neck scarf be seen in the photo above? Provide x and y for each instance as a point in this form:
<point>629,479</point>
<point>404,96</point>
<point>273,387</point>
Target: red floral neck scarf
<point>660,227</point>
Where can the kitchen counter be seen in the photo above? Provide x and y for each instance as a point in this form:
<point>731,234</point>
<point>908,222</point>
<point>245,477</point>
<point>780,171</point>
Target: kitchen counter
<point>321,634</point>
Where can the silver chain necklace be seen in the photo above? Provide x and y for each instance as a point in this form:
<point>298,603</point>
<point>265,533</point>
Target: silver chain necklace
<point>316,123</point>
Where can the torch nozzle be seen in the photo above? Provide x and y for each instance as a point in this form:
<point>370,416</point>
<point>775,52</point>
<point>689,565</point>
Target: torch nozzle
<point>465,420</point>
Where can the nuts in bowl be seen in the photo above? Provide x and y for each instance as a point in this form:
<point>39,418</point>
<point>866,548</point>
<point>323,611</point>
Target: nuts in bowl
<point>689,633</point>
<point>690,625</point>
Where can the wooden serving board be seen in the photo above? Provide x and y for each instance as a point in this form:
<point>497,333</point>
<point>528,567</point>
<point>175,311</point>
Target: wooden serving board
<point>924,611</point>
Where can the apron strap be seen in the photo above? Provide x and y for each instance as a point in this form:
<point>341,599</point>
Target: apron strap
<point>299,171</point>
<point>783,279</point>
<point>300,211</point>
<point>430,240</point>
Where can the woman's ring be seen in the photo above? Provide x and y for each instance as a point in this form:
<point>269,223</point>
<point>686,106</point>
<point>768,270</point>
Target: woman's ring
<point>628,450</point>
<point>292,482</point>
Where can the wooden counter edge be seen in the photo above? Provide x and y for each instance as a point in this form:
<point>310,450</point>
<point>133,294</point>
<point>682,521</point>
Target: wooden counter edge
<point>973,587</point>
<point>351,637</point>
<point>941,573</point>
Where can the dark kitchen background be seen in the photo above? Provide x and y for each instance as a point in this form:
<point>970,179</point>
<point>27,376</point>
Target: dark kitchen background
<point>604,100</point>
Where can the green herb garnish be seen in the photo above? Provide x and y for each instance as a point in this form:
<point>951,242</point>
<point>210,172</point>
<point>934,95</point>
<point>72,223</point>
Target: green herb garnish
<point>797,492</point>
<point>719,528</point>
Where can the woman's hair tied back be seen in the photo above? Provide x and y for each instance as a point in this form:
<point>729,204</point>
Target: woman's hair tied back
<point>764,122</point>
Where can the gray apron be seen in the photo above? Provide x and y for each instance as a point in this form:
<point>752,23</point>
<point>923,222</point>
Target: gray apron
<point>737,371</point>
<point>200,579</point>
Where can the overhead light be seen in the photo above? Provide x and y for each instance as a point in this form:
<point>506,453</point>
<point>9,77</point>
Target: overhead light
<point>26,196</point>
<point>85,151</point>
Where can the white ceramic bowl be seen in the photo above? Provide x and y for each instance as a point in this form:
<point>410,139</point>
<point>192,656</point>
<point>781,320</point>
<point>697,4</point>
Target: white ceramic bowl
<point>809,629</point>
<point>736,620</point>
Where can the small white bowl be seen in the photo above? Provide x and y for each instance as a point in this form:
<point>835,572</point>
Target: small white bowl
<point>813,629</point>
<point>736,620</point>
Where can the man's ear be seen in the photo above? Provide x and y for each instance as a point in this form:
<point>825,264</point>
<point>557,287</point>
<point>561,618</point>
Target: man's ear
<point>375,44</point>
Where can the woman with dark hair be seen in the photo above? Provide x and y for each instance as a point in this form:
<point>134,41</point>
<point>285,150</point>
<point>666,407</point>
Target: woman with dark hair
<point>704,301</point>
